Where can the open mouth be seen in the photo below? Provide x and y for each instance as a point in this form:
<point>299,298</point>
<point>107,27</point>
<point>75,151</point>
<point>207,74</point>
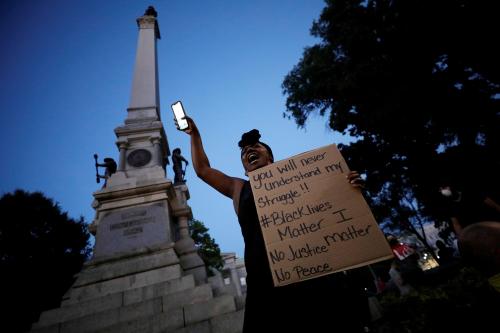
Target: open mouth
<point>252,158</point>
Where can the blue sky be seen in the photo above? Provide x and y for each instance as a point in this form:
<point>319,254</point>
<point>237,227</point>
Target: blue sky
<point>65,80</point>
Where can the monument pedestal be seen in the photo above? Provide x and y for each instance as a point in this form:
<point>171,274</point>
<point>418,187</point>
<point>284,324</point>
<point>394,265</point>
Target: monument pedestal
<point>145,274</point>
<point>130,219</point>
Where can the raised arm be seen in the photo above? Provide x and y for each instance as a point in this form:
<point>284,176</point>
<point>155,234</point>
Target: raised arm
<point>229,186</point>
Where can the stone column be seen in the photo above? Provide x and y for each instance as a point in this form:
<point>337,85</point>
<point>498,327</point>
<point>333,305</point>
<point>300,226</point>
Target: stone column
<point>122,145</point>
<point>157,150</point>
<point>144,97</point>
<point>183,227</point>
<point>190,260</point>
<point>236,280</point>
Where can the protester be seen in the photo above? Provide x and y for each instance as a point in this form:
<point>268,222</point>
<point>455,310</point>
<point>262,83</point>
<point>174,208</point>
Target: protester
<point>479,246</point>
<point>406,262</point>
<point>403,286</point>
<point>444,253</point>
<point>473,207</point>
<point>331,303</point>
<point>469,203</point>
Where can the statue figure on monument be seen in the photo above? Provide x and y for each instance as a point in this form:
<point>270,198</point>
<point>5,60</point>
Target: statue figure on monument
<point>151,11</point>
<point>177,159</point>
<point>110,166</point>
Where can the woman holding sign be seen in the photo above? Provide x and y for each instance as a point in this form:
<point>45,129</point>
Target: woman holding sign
<point>325,304</point>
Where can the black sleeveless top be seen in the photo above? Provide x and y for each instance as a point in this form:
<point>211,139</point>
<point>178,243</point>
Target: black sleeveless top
<point>256,262</point>
<point>324,304</point>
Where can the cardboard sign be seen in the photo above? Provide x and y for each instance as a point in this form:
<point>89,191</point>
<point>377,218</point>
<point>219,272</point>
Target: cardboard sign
<point>313,220</point>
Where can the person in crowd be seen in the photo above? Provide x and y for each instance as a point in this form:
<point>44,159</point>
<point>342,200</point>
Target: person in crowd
<point>403,287</point>
<point>479,245</point>
<point>468,204</point>
<point>445,253</point>
<point>406,262</point>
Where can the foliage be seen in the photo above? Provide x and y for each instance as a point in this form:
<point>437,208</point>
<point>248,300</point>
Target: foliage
<point>465,303</point>
<point>208,249</point>
<point>417,83</point>
<point>41,249</point>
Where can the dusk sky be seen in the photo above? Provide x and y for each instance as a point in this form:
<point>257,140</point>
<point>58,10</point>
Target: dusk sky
<point>65,79</point>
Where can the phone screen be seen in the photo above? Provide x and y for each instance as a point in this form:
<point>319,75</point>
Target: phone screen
<point>179,115</point>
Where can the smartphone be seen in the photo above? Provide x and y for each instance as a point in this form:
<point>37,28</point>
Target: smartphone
<point>180,115</point>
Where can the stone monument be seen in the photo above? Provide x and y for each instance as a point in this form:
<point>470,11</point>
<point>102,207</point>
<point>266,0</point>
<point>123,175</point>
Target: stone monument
<point>145,274</point>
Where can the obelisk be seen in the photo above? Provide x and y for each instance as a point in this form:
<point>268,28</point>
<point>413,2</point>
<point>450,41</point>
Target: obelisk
<point>132,211</point>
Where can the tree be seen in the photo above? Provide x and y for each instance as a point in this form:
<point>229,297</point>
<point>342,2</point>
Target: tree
<point>208,249</point>
<point>41,249</point>
<point>416,83</point>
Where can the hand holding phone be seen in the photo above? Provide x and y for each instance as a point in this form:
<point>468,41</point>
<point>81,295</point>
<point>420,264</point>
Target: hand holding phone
<point>180,116</point>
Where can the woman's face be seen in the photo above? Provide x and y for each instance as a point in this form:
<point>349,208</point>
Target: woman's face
<point>255,156</point>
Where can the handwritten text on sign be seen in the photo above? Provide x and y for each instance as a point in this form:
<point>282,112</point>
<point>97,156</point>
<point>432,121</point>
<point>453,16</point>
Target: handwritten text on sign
<point>313,221</point>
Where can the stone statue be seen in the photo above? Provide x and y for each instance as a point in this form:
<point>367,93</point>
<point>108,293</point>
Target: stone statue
<point>151,11</point>
<point>177,159</point>
<point>110,166</point>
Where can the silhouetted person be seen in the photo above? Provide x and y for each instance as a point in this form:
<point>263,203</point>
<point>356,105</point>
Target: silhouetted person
<point>405,261</point>
<point>397,280</point>
<point>445,253</point>
<point>479,246</point>
<point>469,204</point>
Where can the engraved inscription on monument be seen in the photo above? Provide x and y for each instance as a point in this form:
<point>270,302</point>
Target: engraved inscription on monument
<point>139,158</point>
<point>134,228</point>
